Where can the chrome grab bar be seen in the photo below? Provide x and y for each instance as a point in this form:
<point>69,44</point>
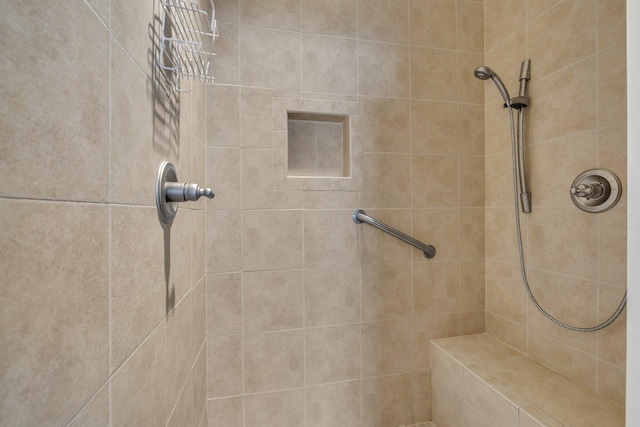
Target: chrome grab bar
<point>359,216</point>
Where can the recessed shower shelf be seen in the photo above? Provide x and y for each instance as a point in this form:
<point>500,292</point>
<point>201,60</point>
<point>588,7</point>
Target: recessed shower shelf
<point>187,44</point>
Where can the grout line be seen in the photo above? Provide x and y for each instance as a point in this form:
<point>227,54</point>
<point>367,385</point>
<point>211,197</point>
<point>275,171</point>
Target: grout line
<point>110,230</point>
<point>304,326</point>
<point>242,344</point>
<point>599,218</point>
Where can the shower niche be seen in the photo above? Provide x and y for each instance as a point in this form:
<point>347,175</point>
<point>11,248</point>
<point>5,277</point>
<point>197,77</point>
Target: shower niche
<point>317,144</point>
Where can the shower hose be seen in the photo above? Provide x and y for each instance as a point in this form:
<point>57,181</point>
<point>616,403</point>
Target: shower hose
<point>523,269</point>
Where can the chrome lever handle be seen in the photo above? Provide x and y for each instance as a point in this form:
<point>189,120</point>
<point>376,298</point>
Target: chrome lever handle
<point>588,190</point>
<point>170,192</point>
<point>183,192</point>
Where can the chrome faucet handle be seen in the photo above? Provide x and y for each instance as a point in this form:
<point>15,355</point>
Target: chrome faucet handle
<point>183,192</point>
<point>588,190</point>
<point>170,192</point>
<point>596,190</point>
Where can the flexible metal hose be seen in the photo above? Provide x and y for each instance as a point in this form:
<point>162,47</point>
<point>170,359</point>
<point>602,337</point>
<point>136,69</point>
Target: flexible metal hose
<point>602,325</point>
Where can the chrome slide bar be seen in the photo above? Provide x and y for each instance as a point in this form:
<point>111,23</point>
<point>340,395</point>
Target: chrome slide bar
<point>359,216</point>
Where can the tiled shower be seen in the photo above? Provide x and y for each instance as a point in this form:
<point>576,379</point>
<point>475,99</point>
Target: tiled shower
<point>311,317</point>
<point>268,305</point>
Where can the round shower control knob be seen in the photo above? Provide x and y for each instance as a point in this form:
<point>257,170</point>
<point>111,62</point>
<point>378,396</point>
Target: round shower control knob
<point>596,190</point>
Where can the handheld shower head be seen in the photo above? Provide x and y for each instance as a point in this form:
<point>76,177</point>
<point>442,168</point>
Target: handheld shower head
<point>483,73</point>
<point>486,73</point>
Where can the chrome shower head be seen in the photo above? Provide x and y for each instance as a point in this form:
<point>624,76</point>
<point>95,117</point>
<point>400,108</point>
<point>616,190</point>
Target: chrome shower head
<point>483,73</point>
<point>486,73</point>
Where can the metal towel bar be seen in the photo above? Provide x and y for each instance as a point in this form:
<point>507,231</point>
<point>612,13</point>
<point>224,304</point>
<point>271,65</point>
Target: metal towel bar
<point>359,216</point>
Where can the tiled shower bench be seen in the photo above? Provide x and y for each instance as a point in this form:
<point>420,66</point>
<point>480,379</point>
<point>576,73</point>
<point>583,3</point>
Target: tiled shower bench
<point>477,380</point>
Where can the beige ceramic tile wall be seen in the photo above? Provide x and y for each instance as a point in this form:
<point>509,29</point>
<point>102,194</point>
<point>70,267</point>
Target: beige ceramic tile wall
<point>96,330</point>
<point>312,318</point>
<point>576,261</point>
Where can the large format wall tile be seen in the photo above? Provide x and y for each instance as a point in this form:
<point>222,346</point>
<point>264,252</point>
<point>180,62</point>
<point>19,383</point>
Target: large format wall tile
<point>471,129</point>
<point>560,161</point>
<point>183,413</point>
<point>180,355</point>
<point>431,75</point>
<point>135,154</point>
<point>224,173</point>
<point>273,361</point>
<point>264,231</point>
<point>505,292</point>
<point>576,81</point>
<point>329,64</point>
<point>430,174</point>
<point>279,409</point>
<point>55,313</point>
<point>388,181</point>
<point>386,125</point>
<point>386,400</point>
<point>572,30</point>
<point>283,58</point>
<point>332,354</point>
<point>95,412</point>
<point>330,239</point>
<point>55,117</point>
<point>332,296</point>
<point>139,288</point>
<point>226,65</point>
<point>223,111</point>
<point>383,20</point>
<point>389,78</point>
<point>331,17</point>
<point>280,14</point>
<point>224,358</point>
<point>611,22</point>
<point>385,291</point>
<point>381,342</point>
<point>223,241</point>
<point>258,183</point>
<point>437,289</point>
<point>199,374</point>
<point>138,388</point>
<point>227,412</point>
<point>334,404</point>
<point>440,228</point>
<point>567,238</point>
<point>272,300</point>
<point>198,246</point>
<point>506,17</point>
<point>224,304</point>
<point>433,23</point>
<point>612,88</point>
<point>131,24</point>
<point>470,17</point>
<point>434,127</point>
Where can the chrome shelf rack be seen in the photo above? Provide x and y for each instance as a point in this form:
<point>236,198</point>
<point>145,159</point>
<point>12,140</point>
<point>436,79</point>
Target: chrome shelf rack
<point>187,44</point>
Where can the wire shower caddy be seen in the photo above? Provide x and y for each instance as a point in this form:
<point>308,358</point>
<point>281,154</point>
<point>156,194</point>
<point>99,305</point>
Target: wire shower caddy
<point>187,44</point>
